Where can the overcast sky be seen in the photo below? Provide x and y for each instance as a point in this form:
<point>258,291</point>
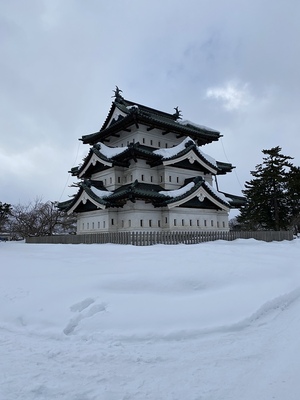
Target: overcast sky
<point>232,65</point>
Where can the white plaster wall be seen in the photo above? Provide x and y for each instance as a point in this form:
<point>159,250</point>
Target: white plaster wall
<point>169,177</point>
<point>152,138</point>
<point>141,171</point>
<point>139,216</point>
<point>110,177</point>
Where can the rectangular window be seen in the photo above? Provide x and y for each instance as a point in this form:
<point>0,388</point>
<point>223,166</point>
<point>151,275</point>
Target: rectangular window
<point>166,220</point>
<point>166,145</point>
<point>112,221</point>
<point>93,225</point>
<point>141,223</point>
<point>142,177</point>
<point>158,223</point>
<point>218,224</point>
<point>151,142</point>
<point>177,179</point>
<point>122,223</point>
<point>151,178</point>
<point>205,223</point>
<point>182,222</point>
<point>83,225</point>
<point>191,222</point>
<point>119,179</point>
<point>158,144</point>
<point>223,224</point>
<point>198,222</point>
<point>103,224</point>
<point>170,178</point>
<point>88,225</point>
<point>161,178</point>
<point>143,140</point>
<point>150,223</point>
<point>130,178</point>
<point>129,223</point>
<point>98,224</point>
<point>211,223</point>
<point>175,222</point>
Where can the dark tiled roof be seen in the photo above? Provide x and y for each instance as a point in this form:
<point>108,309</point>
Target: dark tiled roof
<point>137,191</point>
<point>137,151</point>
<point>139,114</point>
<point>146,192</point>
<point>235,201</point>
<point>64,205</point>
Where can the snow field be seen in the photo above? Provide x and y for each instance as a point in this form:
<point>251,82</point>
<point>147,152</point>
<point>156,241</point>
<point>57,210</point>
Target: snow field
<point>216,320</point>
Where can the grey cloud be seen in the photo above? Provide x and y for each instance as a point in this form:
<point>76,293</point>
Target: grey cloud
<point>61,60</point>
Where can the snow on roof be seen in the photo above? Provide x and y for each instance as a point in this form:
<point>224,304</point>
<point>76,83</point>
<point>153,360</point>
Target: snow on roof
<point>208,158</point>
<point>178,192</point>
<point>130,107</point>
<point>110,152</point>
<point>187,122</point>
<point>171,152</point>
<point>221,196</point>
<point>101,193</point>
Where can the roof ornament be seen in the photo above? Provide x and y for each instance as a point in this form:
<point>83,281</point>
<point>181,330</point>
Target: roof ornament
<point>177,114</point>
<point>117,94</point>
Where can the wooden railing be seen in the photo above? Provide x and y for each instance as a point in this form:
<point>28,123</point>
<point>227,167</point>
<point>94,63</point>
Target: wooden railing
<point>150,238</point>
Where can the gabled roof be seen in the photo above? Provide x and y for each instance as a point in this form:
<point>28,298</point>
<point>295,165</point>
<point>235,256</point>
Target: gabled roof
<point>196,191</point>
<point>96,198</point>
<point>182,155</point>
<point>197,188</point>
<point>132,113</point>
<point>189,150</point>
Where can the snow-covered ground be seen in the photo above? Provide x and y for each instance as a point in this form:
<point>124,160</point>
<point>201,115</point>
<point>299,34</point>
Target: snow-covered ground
<point>218,320</point>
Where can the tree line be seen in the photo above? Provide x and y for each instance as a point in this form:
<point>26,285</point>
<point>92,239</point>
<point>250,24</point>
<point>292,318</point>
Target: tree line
<point>37,218</point>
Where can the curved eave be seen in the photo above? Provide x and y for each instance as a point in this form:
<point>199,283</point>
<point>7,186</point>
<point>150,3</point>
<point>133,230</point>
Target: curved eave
<point>235,201</point>
<point>201,191</point>
<point>64,205</point>
<point>200,135</point>
<point>112,129</point>
<point>135,118</point>
<point>191,155</point>
<point>91,160</point>
<point>83,196</point>
<point>223,168</point>
<point>109,116</point>
<point>213,194</point>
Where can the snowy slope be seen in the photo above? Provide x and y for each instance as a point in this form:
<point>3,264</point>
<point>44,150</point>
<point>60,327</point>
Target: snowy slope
<point>218,320</point>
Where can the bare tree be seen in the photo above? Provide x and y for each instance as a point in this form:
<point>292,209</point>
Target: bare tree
<point>39,219</point>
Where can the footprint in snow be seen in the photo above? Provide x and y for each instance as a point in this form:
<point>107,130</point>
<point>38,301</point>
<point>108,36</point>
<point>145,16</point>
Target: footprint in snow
<point>80,307</point>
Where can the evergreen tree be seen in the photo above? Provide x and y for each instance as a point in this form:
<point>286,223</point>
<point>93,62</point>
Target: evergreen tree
<point>294,197</point>
<point>5,212</point>
<point>267,204</point>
